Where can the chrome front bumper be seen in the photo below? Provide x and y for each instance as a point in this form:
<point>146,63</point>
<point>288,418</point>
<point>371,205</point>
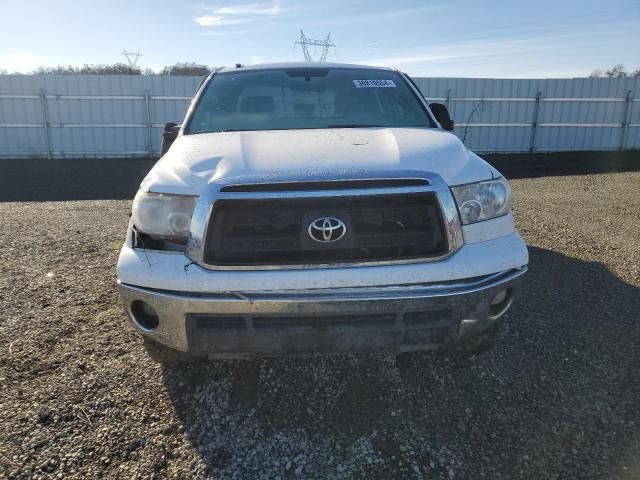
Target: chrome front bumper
<point>273,323</point>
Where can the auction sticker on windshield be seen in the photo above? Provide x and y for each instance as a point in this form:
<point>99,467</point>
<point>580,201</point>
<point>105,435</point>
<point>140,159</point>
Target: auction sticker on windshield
<point>374,83</point>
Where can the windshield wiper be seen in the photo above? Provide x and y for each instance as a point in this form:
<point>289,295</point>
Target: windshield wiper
<point>352,125</point>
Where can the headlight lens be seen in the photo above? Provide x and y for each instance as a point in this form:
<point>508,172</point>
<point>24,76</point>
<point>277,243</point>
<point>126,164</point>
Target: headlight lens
<point>163,216</point>
<point>483,200</point>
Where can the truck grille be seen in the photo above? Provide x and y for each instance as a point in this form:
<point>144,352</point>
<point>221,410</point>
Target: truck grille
<point>286,334</point>
<point>246,232</point>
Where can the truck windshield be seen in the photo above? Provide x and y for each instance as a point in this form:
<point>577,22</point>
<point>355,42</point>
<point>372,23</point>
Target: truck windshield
<point>284,99</point>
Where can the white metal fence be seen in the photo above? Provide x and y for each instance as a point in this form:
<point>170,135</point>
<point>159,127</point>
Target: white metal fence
<point>120,116</point>
<point>496,115</point>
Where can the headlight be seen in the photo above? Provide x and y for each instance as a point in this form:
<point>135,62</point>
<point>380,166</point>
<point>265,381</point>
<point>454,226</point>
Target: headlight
<point>483,200</point>
<point>163,216</point>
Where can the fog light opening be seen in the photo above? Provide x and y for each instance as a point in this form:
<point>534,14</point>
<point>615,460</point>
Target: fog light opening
<point>500,303</point>
<point>144,315</point>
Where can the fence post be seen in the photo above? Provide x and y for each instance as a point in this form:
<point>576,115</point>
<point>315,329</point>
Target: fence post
<point>149,127</point>
<point>534,125</point>
<point>449,101</point>
<point>45,120</point>
<point>626,120</point>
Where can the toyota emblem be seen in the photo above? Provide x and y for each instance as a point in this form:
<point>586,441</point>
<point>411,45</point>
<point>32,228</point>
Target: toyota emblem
<point>327,229</point>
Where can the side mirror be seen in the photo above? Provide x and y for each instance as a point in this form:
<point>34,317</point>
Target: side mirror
<point>442,115</point>
<point>171,131</point>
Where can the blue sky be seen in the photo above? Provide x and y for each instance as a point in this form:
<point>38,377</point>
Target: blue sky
<point>469,38</point>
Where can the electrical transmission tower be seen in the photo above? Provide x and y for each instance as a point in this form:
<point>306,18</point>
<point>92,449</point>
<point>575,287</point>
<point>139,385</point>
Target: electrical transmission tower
<point>305,42</point>
<point>132,57</point>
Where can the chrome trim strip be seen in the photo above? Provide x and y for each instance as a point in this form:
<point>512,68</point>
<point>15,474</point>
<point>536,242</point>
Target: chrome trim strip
<point>408,291</point>
<point>336,180</point>
<point>435,184</point>
<point>285,297</point>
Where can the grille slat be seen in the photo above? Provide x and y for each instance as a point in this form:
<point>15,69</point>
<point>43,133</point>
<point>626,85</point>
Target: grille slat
<point>274,231</point>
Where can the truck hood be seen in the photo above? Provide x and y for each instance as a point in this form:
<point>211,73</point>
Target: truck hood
<point>194,161</point>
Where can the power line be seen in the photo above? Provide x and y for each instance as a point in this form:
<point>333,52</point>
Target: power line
<point>305,42</point>
<point>132,57</point>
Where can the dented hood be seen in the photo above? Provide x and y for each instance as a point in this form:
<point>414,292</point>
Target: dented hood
<point>197,160</point>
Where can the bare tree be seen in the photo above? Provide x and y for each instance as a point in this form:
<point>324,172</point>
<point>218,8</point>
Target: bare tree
<point>616,71</point>
<point>58,70</point>
<point>186,68</point>
<point>115,69</point>
<point>86,69</point>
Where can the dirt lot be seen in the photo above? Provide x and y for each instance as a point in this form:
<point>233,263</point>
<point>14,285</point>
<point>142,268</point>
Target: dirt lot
<point>558,396</point>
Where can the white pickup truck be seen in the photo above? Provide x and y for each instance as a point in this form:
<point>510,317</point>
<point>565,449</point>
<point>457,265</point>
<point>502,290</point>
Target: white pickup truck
<point>316,208</point>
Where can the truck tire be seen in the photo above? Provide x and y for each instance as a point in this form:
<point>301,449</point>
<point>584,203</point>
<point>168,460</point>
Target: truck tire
<point>165,355</point>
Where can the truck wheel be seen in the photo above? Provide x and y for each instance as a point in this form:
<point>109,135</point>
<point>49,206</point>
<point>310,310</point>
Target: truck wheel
<point>165,355</point>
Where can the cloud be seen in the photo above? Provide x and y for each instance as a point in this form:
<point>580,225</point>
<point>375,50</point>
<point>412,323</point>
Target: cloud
<point>521,45</point>
<point>363,16</point>
<point>251,9</point>
<point>534,54</point>
<point>237,14</point>
<point>212,32</point>
<point>218,21</point>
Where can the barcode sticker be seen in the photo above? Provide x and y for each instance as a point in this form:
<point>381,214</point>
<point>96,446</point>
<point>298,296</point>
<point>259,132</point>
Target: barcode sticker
<point>374,84</point>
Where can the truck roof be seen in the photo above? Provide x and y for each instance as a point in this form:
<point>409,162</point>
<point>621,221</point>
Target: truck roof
<point>301,65</point>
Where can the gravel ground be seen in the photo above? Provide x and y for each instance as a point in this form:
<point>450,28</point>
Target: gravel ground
<point>557,397</point>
